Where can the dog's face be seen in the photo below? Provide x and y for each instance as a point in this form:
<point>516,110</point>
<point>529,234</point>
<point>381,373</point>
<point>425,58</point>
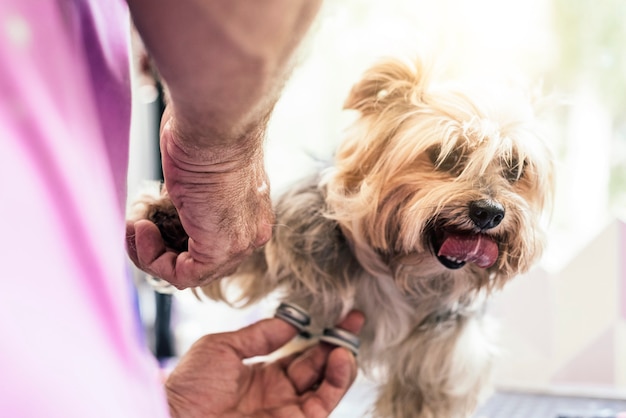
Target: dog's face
<point>455,182</point>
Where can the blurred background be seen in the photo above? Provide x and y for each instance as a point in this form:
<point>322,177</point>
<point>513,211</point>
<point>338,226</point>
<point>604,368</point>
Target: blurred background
<point>564,323</point>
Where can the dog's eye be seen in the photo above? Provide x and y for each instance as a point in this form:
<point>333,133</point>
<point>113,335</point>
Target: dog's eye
<point>452,162</point>
<point>513,170</point>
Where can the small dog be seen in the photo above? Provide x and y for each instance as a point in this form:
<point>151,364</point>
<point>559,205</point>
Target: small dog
<point>436,199</point>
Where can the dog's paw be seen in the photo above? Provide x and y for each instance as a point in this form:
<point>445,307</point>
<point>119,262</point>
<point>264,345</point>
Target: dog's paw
<point>157,207</point>
<point>165,216</point>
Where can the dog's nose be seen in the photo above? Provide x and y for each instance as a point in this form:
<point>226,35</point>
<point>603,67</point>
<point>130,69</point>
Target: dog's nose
<point>486,214</point>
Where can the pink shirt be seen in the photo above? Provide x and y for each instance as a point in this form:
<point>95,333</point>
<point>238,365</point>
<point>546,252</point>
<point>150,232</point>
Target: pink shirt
<point>70,340</point>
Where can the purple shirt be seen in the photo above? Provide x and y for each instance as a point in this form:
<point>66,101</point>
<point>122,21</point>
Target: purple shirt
<point>69,336</point>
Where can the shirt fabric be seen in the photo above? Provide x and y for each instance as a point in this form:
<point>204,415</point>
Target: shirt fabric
<point>70,339</point>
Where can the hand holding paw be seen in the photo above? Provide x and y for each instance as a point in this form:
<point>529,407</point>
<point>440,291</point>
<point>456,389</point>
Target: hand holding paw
<point>218,194</point>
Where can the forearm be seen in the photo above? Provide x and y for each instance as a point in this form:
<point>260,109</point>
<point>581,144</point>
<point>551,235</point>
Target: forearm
<point>224,61</point>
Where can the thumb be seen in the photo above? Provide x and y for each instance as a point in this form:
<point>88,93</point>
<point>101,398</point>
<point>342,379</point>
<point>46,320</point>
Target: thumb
<point>259,339</point>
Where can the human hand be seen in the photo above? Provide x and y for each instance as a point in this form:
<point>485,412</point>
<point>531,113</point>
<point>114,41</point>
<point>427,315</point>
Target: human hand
<point>221,88</point>
<point>221,196</point>
<point>212,380</point>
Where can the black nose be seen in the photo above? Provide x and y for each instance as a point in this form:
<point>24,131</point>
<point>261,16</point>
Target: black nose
<point>486,214</point>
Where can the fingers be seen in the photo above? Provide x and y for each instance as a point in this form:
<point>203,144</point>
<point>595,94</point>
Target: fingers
<point>307,369</point>
<point>341,370</point>
<point>147,250</point>
<point>268,335</point>
<point>259,339</point>
<point>338,374</point>
<point>144,242</point>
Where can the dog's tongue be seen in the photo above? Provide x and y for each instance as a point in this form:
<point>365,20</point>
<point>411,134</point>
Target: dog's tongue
<point>479,249</point>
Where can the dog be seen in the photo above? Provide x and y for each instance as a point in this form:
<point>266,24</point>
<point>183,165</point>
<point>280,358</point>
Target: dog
<point>437,198</point>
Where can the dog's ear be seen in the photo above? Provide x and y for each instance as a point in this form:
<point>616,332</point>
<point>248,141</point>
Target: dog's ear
<point>389,81</point>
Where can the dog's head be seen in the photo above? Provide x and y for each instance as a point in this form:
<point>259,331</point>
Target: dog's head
<point>455,181</point>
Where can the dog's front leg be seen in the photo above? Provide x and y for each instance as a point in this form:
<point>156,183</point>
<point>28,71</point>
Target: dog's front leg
<point>440,371</point>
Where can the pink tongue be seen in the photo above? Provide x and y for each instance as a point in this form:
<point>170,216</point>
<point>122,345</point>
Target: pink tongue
<point>478,249</point>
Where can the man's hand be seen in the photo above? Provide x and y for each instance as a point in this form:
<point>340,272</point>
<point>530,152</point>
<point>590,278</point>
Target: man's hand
<point>224,64</point>
<point>222,197</point>
<point>212,380</point>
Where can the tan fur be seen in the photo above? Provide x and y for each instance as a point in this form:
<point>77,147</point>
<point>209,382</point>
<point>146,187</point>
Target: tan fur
<point>359,234</point>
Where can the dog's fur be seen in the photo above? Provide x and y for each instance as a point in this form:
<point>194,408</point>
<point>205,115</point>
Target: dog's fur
<point>365,234</point>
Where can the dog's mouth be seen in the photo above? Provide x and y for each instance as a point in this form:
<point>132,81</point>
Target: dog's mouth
<point>453,249</point>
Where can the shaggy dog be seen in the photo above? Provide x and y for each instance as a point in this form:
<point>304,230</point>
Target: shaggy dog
<point>435,200</point>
